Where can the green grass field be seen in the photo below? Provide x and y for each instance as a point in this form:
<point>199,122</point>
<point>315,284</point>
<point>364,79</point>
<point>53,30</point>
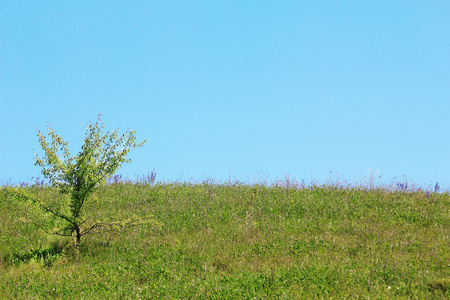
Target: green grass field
<point>235,241</point>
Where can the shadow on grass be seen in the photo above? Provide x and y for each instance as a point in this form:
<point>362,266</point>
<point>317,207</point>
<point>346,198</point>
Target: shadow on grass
<point>46,255</point>
<point>440,284</point>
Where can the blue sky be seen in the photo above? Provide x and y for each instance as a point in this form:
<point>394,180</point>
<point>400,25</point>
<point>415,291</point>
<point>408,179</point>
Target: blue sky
<point>234,89</point>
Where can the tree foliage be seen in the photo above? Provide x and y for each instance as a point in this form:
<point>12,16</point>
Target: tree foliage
<point>77,176</point>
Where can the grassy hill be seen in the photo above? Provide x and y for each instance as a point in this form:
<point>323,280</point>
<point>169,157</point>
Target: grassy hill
<point>235,241</point>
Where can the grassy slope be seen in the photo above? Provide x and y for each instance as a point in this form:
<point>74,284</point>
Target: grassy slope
<point>224,241</point>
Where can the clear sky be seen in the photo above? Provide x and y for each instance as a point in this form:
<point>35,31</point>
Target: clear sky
<point>234,89</point>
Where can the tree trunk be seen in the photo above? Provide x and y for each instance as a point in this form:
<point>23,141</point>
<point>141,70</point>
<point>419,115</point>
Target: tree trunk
<point>77,244</point>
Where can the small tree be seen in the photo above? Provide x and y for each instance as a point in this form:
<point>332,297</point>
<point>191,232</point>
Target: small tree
<point>78,176</point>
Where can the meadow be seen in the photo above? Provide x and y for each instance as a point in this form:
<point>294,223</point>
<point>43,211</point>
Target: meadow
<point>235,241</point>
